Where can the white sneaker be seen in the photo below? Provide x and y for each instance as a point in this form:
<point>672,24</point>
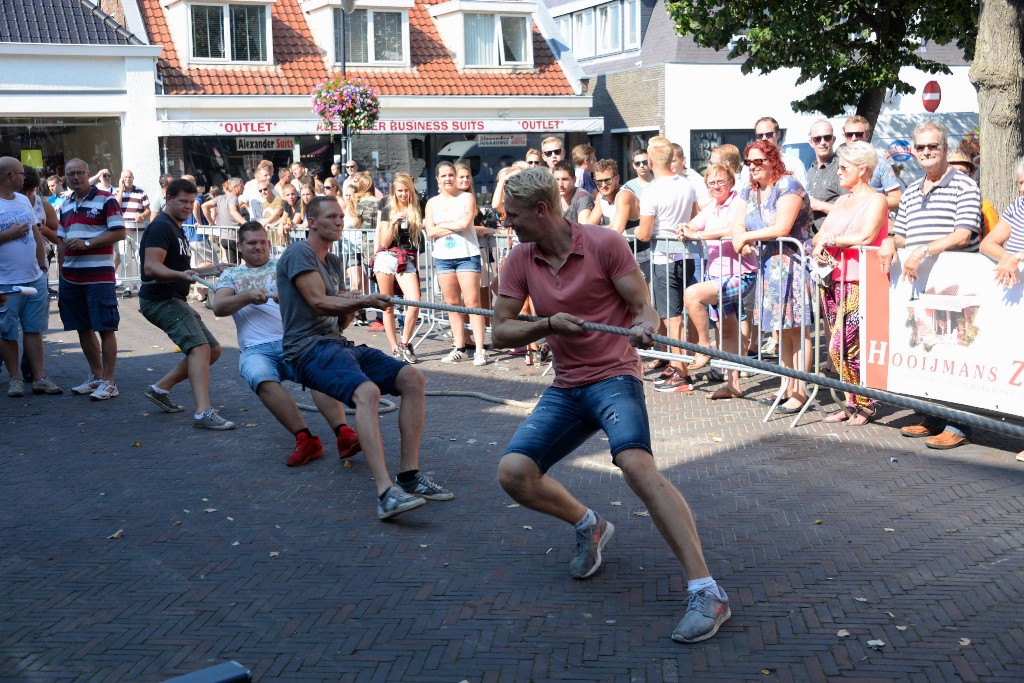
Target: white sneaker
<point>104,391</point>
<point>455,356</point>
<point>480,358</point>
<point>87,387</point>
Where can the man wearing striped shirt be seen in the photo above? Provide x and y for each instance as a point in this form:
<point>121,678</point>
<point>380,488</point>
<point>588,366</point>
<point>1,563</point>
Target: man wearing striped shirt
<point>90,226</point>
<point>940,212</point>
<point>135,211</point>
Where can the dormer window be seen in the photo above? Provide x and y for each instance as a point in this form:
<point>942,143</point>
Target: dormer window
<point>230,33</point>
<point>372,37</point>
<point>497,40</point>
<point>487,33</point>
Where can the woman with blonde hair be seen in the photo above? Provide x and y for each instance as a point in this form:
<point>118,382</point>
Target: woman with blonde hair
<point>448,222</point>
<point>396,242</point>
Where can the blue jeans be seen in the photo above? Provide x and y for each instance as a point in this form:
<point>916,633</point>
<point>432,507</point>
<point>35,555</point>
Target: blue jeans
<point>337,367</point>
<point>565,418</point>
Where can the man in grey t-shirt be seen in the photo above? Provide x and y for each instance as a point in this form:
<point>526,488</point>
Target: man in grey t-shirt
<point>308,280</point>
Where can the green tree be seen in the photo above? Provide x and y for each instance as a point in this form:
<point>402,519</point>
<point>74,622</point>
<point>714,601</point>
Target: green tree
<point>855,49</point>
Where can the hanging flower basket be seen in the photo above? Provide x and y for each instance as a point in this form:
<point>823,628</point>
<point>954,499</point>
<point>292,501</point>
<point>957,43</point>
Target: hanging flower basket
<point>351,102</point>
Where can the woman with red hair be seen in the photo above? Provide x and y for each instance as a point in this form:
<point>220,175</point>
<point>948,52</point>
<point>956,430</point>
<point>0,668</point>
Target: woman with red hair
<point>776,205</point>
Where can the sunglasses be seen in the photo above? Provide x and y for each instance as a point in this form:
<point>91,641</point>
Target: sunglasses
<point>764,136</point>
<point>854,134</point>
<point>931,147</point>
<point>534,163</point>
<point>603,181</point>
<point>755,162</point>
<point>552,152</point>
<point>642,163</point>
<point>265,189</point>
<point>351,168</point>
<point>818,138</point>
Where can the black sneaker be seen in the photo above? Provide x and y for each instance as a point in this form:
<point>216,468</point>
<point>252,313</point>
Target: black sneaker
<point>424,487</point>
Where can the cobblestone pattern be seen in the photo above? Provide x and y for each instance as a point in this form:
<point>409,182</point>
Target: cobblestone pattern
<point>227,554</point>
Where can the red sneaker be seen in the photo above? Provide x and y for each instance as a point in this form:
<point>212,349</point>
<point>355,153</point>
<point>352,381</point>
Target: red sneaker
<point>375,326</point>
<point>307,449</point>
<point>348,443</point>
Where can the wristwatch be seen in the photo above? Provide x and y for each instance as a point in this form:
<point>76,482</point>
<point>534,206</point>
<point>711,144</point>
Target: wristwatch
<point>87,243</point>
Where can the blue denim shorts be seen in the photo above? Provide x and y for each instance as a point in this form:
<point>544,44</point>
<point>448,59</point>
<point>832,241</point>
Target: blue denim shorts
<point>27,313</point>
<point>447,266</point>
<point>264,363</point>
<point>565,418</point>
<point>88,307</point>
<point>336,368</point>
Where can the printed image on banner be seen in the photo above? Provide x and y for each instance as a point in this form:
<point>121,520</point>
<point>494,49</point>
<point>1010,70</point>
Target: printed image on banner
<point>953,335</point>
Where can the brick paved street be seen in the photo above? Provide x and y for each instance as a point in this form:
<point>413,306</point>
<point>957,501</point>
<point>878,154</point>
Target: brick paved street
<point>227,554</point>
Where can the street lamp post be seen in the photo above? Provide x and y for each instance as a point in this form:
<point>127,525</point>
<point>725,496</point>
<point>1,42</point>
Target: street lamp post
<point>347,8</point>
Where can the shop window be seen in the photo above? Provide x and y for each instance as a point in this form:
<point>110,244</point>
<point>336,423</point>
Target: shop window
<point>371,37</point>
<point>497,40</point>
<point>231,33</point>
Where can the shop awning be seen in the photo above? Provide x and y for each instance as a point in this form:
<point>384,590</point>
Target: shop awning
<point>400,126</point>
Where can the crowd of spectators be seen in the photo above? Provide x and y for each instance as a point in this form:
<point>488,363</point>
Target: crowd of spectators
<point>747,254</point>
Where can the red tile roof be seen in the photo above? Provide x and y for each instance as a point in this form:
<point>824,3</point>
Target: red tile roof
<point>299,67</point>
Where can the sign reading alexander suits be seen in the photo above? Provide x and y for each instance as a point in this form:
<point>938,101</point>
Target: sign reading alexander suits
<point>953,335</point>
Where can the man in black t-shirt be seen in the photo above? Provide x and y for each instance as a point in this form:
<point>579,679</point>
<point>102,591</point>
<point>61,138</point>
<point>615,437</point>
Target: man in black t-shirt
<point>166,278</point>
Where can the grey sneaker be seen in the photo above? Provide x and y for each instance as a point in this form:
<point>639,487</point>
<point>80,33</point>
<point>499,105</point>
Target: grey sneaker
<point>104,391</point>
<point>45,385</point>
<point>480,358</point>
<point>164,401</point>
<point>16,388</point>
<point>424,487</point>
<point>408,353</point>
<point>704,614</point>
<point>90,385</point>
<point>586,556</point>
<point>455,356</point>
<point>211,419</point>
<point>397,501</point>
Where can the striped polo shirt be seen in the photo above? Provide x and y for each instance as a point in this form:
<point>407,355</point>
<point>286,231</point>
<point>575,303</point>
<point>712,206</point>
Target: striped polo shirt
<point>953,203</point>
<point>1014,215</point>
<point>133,202</point>
<point>87,220</point>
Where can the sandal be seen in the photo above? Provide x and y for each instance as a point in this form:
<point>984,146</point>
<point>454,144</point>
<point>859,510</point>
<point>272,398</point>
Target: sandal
<point>861,417</point>
<point>841,415</point>
<point>699,361</point>
<point>724,393</point>
<point>656,364</point>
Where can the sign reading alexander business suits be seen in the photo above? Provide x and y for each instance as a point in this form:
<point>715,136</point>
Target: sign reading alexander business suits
<point>952,335</point>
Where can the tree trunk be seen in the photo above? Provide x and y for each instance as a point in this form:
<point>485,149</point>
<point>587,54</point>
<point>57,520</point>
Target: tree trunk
<point>998,73</point>
<point>870,104</point>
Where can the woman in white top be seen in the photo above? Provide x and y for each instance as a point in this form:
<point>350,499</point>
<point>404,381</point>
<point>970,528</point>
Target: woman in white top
<point>396,246</point>
<point>448,221</point>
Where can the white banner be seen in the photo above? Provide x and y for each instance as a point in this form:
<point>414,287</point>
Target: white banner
<point>412,126</point>
<point>952,335</point>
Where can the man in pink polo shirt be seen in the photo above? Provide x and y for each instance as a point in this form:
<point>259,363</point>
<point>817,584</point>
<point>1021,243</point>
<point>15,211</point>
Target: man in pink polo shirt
<point>573,273</point>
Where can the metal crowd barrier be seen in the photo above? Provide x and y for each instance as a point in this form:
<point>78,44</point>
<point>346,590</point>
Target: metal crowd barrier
<point>751,305</point>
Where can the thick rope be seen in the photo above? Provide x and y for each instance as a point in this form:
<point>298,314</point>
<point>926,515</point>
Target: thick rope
<point>948,414</point>
<point>387,406</point>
